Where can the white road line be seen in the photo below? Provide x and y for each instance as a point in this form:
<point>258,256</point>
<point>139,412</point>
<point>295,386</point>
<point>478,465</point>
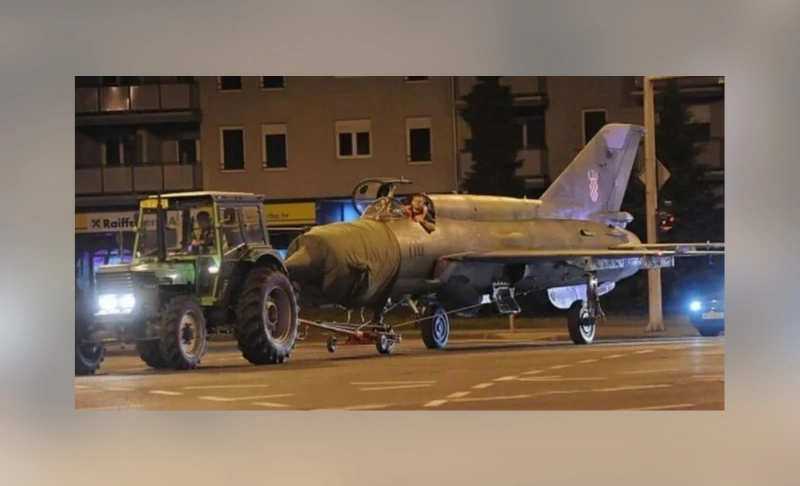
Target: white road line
<point>435,403</point>
<point>644,351</point>
<point>87,391</point>
<point>506,378</point>
<point>548,379</point>
<point>659,407</point>
<point>709,377</point>
<point>242,399</point>
<point>353,407</point>
<point>213,387</point>
<point>558,367</point>
<point>487,399</point>
<point>271,405</point>
<point>458,394</point>
<point>659,370</point>
<point>116,388</point>
<point>614,356</point>
<point>399,387</point>
<point>534,372</point>
<point>164,392</point>
<point>81,386</point>
<point>587,361</point>
<point>629,388</point>
<point>367,383</point>
<point>482,386</point>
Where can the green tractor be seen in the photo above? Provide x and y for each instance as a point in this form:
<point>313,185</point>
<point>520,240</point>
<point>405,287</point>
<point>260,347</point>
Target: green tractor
<point>202,265</point>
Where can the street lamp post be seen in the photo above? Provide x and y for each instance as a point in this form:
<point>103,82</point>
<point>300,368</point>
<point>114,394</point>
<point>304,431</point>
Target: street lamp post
<point>656,320</point>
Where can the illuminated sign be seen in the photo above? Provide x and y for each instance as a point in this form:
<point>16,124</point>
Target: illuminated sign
<point>291,214</point>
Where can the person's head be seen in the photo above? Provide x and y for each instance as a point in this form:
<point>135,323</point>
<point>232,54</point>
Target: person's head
<point>204,220</point>
<point>417,203</point>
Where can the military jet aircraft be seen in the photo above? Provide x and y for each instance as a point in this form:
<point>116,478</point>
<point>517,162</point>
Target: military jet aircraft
<point>462,251</point>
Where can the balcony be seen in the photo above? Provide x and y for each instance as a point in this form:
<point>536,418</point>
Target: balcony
<point>696,88</point>
<point>144,103</point>
<point>143,179</point>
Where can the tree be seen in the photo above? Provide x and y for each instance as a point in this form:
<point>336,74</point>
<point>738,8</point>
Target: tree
<point>691,200</point>
<point>489,112</point>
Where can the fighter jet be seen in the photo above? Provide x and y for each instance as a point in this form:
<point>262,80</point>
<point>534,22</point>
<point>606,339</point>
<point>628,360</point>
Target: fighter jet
<point>444,253</point>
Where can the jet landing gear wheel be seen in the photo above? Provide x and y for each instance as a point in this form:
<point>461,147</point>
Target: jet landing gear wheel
<point>331,344</point>
<point>436,329</point>
<point>580,323</point>
<point>385,343</point>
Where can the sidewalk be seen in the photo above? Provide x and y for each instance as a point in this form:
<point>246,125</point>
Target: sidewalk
<point>526,330</point>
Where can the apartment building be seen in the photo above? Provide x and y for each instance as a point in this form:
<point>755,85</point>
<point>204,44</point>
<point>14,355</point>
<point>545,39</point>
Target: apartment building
<point>557,115</point>
<point>304,142</point>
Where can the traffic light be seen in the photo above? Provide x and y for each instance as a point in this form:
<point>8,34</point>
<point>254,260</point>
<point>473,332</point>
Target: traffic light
<point>666,221</point>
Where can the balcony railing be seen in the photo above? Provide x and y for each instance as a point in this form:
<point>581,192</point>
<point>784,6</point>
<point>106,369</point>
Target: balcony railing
<point>145,98</point>
<point>141,179</point>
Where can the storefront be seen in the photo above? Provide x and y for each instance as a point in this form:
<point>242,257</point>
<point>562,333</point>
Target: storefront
<point>107,238</point>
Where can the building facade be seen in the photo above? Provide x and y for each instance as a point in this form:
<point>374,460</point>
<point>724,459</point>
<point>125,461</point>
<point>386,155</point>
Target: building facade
<point>304,142</point>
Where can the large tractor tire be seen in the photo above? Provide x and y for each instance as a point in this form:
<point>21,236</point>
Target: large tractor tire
<point>183,333</point>
<point>266,317</point>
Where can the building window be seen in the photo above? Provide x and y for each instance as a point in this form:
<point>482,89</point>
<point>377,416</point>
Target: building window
<point>274,148</point>
<point>230,83</point>
<point>418,140</point>
<point>124,151</point>
<point>530,132</point>
<point>354,139</point>
<point>272,82</point>
<point>593,121</point>
<point>232,149</point>
<point>187,152</point>
<point>113,157</point>
<point>417,79</point>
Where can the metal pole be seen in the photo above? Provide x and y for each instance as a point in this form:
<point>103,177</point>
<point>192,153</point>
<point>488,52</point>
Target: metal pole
<point>656,322</point>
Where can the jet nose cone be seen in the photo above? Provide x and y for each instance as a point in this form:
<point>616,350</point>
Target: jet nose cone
<point>301,266</point>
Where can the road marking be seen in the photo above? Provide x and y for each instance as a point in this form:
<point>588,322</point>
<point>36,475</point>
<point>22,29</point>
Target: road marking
<point>487,399</point>
<point>435,403</point>
<point>241,399</point>
<point>353,407</point>
<point>709,377</point>
<point>614,356</point>
<point>88,391</point>
<point>213,387</point>
<point>587,361</point>
<point>560,392</point>
<point>506,378</point>
<point>116,388</point>
<point>629,388</point>
<point>482,386</point>
<point>399,387</point>
<point>534,372</point>
<point>660,407</point>
<point>366,383</point>
<point>660,370</point>
<point>558,367</point>
<point>271,405</point>
<point>163,392</point>
<point>458,394</point>
<point>81,386</point>
<point>559,378</point>
<point>645,351</point>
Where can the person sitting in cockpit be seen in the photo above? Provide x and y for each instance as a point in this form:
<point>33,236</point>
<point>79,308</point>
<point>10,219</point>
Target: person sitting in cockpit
<point>417,211</point>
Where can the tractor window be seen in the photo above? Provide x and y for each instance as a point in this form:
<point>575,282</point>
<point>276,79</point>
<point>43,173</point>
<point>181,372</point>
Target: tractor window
<point>148,236</point>
<point>252,223</point>
<point>229,228</point>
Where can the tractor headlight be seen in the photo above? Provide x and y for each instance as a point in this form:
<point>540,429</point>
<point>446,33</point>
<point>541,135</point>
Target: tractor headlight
<point>695,306</point>
<point>116,304</point>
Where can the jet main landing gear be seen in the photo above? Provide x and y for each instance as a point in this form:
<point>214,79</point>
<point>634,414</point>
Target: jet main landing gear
<point>582,315</point>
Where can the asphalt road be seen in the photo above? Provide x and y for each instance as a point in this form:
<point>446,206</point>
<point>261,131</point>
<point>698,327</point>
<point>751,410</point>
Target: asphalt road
<point>682,373</point>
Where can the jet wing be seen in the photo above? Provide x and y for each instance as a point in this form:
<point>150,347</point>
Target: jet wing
<point>650,257</point>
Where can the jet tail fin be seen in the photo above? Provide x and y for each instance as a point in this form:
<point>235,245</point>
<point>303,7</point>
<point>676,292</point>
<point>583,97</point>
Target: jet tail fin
<point>596,179</point>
